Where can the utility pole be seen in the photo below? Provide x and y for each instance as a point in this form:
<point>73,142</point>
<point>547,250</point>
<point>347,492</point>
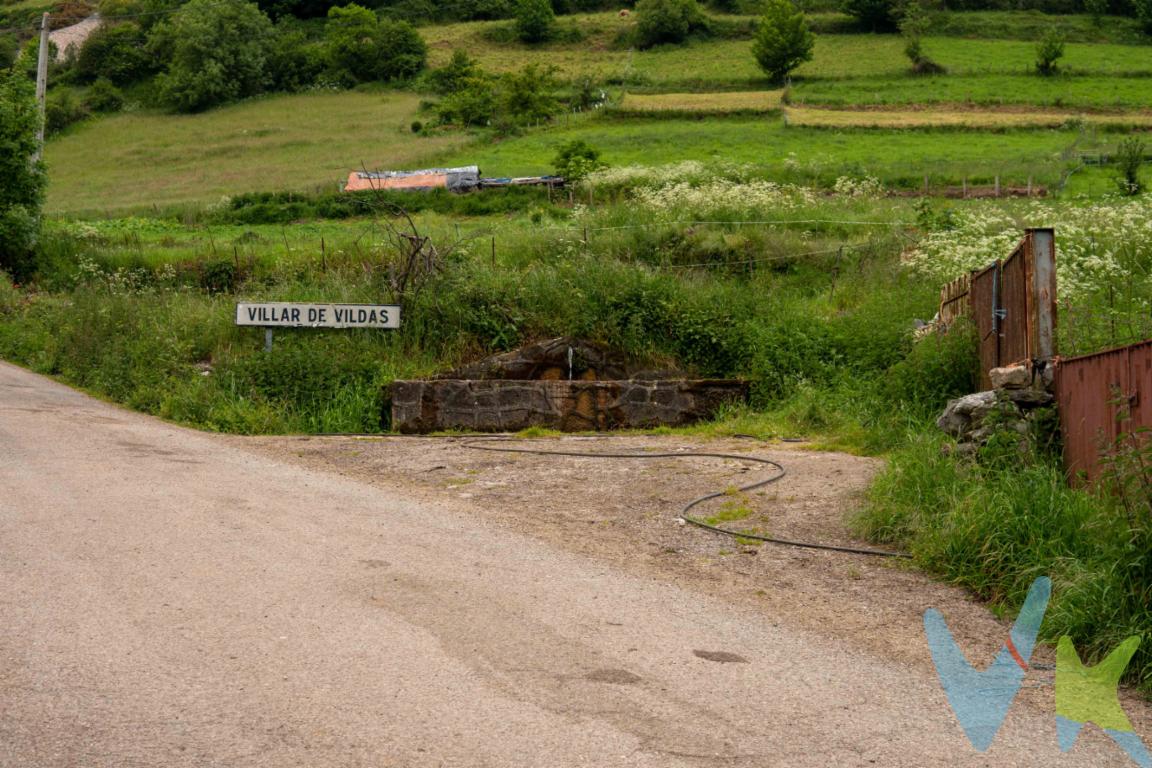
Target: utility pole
<point>41,85</point>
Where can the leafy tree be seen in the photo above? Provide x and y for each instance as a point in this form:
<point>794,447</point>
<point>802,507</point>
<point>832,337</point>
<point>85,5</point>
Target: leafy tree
<point>535,20</point>
<point>472,103</point>
<point>667,21</point>
<point>576,159</point>
<point>455,75</point>
<point>27,59</point>
<point>361,47</point>
<point>21,181</point>
<point>1097,10</point>
<point>217,51</point>
<point>1129,158</point>
<point>1049,50</point>
<point>513,100</point>
<point>528,96</point>
<point>913,26</point>
<point>295,62</point>
<point>875,15</point>
<point>115,52</point>
<point>478,10</point>
<point>147,13</point>
<point>1143,10</point>
<point>783,41</point>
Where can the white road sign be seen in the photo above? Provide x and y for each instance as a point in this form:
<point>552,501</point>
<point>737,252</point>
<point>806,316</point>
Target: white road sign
<point>287,315</point>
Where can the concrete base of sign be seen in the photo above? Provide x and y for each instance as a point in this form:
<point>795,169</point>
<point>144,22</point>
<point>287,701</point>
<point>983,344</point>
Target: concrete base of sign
<point>508,405</point>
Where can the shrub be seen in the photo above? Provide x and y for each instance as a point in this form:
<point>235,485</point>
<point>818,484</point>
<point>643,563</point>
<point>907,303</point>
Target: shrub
<point>362,48</point>
<point>576,159</point>
<point>115,53</point>
<point>295,62</point>
<point>667,21</point>
<point>913,25</point>
<point>1049,50</point>
<point>939,368</point>
<point>456,74</point>
<point>219,276</point>
<point>21,182</point>
<point>783,41</point>
<point>62,110</point>
<point>528,96</point>
<point>217,51</point>
<point>1129,158</point>
<point>472,103</point>
<point>535,20</point>
<point>9,49</point>
<point>103,96</point>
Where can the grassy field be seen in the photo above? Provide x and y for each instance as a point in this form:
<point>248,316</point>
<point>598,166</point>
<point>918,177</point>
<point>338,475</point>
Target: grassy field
<point>723,103</point>
<point>729,63</point>
<point>286,142</point>
<point>969,118</point>
<point>1031,25</point>
<point>312,141</point>
<point>767,142</point>
<point>1093,92</point>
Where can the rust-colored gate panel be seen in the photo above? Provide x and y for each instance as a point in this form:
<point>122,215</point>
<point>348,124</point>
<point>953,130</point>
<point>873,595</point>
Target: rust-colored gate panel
<point>1015,279</point>
<point>985,285</point>
<point>1092,391</point>
<point>1012,303</point>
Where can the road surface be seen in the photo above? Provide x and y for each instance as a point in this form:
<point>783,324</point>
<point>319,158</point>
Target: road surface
<point>169,598</point>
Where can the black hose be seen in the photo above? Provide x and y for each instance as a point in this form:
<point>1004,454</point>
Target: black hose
<point>485,445</point>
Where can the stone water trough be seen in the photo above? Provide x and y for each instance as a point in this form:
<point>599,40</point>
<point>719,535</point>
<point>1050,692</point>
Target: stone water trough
<point>563,384</point>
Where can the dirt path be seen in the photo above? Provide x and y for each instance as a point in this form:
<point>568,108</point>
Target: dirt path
<point>176,599</point>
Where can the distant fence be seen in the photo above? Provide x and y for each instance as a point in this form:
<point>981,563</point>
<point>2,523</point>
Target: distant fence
<point>1102,397</point>
<point>1012,303</point>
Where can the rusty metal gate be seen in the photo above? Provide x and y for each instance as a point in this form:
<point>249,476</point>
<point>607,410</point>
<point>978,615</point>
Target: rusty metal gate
<point>1102,397</point>
<point>1012,304</point>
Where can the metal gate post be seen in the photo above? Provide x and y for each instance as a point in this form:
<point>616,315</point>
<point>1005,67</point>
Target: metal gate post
<point>1042,294</point>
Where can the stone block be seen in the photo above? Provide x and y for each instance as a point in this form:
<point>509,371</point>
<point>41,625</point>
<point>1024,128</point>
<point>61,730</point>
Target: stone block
<point>1011,377</point>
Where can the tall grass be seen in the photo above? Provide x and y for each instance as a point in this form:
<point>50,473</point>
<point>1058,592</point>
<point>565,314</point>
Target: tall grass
<point>995,524</point>
<point>134,315</point>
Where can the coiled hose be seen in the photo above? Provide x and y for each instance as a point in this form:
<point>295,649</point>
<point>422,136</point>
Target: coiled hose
<point>486,444</point>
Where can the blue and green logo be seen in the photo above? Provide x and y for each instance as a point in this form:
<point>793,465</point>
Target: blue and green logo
<point>980,700</point>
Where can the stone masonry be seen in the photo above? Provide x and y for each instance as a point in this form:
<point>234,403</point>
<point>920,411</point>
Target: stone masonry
<point>509,405</point>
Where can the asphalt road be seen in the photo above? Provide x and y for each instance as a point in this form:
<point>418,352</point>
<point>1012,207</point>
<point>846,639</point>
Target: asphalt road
<point>170,599</point>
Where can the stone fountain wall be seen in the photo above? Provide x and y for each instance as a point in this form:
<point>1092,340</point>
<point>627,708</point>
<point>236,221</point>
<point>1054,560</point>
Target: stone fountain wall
<point>565,384</point>
<point>509,405</point>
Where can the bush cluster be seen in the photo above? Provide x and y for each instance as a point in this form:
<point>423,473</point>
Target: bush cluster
<point>506,102</point>
<point>661,22</point>
<point>211,52</point>
<point>22,185</point>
